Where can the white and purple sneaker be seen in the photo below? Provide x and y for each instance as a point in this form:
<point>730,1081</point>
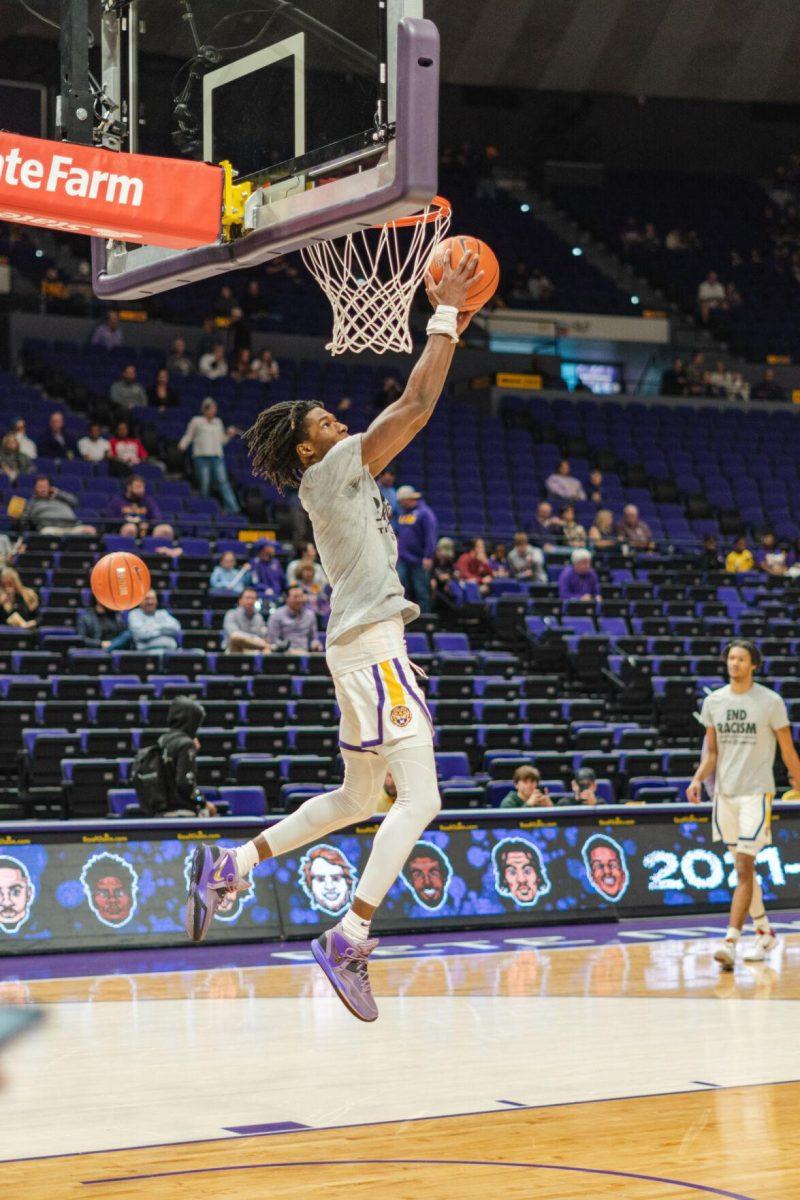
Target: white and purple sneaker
<point>345,964</point>
<point>214,872</point>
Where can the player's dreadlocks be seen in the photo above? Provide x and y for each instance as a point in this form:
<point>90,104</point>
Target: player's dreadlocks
<point>272,440</point>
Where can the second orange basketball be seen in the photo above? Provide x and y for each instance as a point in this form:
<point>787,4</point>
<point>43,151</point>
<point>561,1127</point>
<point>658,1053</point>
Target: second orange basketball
<point>455,248</point>
<point>120,581</point>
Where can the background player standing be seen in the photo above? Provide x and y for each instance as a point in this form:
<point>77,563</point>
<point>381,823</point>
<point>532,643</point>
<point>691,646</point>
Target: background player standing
<point>384,718</point>
<point>743,721</point>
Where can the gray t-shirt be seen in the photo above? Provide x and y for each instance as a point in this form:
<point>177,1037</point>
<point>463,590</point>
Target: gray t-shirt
<point>355,541</point>
<point>745,724</point>
<point>236,620</point>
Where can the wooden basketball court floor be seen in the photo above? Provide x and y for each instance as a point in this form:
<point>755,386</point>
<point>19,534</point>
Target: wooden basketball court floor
<point>615,1062</point>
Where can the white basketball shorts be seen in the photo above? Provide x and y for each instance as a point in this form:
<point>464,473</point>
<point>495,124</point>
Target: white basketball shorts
<point>743,822</point>
<point>378,696</point>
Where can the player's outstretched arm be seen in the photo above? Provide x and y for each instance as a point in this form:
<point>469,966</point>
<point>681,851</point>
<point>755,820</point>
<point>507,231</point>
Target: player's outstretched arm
<point>391,432</point>
<point>790,757</point>
<point>708,766</point>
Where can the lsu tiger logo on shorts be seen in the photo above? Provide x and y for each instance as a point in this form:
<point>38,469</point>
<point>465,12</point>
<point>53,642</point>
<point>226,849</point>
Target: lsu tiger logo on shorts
<point>400,715</point>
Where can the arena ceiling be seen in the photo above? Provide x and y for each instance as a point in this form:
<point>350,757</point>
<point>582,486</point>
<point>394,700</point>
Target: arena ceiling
<point>700,49</point>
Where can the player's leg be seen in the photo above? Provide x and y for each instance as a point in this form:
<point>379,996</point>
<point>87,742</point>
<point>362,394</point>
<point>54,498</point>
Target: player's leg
<point>342,952</point>
<point>725,954</point>
<point>215,871</point>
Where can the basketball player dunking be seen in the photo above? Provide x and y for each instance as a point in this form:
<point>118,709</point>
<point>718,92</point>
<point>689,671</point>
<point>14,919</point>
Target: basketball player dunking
<point>384,720</point>
<point>743,721</point>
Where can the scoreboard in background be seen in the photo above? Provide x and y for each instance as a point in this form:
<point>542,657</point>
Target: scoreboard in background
<point>80,885</point>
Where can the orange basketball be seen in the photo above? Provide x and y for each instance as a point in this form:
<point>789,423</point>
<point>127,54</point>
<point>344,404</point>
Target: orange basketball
<point>120,581</point>
<point>456,247</point>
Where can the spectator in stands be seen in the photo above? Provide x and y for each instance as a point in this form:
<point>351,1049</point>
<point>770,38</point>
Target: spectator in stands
<point>631,235</point>
<point>767,387</point>
<point>225,301</point>
<point>546,528</point>
<point>596,486</point>
<point>416,543</point>
<point>527,791</point>
<point>208,438</point>
<point>10,551</point>
<point>26,444</point>
<point>93,447</point>
<point>710,296</point>
<point>244,630</point>
<point>739,559</point>
<point>584,788</point>
<point>473,565</point>
<point>292,628</point>
<point>485,171</point>
<point>209,337</point>
<point>579,581</point>
<point>674,241</point>
<point>601,534</point>
<point>771,558</point>
<point>526,561</point>
<point>161,394</point>
<point>574,533</point>
<point>18,604</point>
<point>241,365</point>
<point>12,461</point>
<point>214,364</point>
<point>56,442</point>
<point>386,486</point>
<point>307,557</point>
<point>498,561</point>
<point>98,626</point>
<point>109,335</point>
<point>165,532</point>
<point>267,573</point>
<point>562,484</point>
<point>54,291</point>
<point>227,578</point>
<point>126,450</point>
<point>317,593</point>
<point>391,390</point>
<point>635,532</point>
<point>134,508</point>
<point>178,361</point>
<point>518,283</point>
<point>253,303</point>
<point>540,288</point>
<point>674,381</point>
<point>265,368</point>
<point>650,238</point>
<point>237,335</point>
<point>52,511</point>
<point>710,556</point>
<point>697,375</point>
<point>126,392</point>
<point>153,628</point>
<point>444,565</point>
<point>733,297</point>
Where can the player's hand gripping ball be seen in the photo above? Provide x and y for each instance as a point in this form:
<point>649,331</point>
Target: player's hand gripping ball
<point>120,581</point>
<point>455,248</point>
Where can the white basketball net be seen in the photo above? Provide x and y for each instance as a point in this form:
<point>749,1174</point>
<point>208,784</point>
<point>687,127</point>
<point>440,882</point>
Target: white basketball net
<point>370,278</point>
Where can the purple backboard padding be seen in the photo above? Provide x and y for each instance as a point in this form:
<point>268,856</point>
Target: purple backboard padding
<point>415,182</point>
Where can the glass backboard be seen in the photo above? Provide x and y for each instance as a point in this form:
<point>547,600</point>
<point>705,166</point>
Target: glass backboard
<point>327,109</point>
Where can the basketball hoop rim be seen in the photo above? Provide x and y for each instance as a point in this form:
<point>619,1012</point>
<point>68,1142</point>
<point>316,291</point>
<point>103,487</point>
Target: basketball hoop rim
<point>438,208</point>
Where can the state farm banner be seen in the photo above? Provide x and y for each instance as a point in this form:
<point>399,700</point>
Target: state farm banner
<point>108,194</point>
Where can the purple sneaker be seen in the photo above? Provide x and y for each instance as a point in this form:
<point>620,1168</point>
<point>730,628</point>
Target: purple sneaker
<point>214,872</point>
<point>345,964</point>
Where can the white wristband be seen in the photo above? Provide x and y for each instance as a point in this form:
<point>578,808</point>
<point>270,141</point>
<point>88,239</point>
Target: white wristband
<point>444,321</point>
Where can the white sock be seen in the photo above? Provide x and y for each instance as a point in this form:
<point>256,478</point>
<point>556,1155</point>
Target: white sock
<point>732,935</point>
<point>246,857</point>
<point>355,927</point>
